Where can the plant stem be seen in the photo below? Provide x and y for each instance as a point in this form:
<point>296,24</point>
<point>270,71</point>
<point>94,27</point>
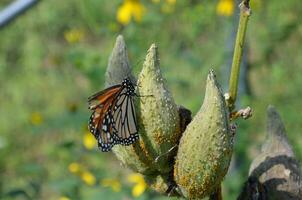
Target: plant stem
<point>245,12</point>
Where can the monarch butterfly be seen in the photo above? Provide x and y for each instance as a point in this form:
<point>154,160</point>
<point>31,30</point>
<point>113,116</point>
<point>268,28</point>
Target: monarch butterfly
<point>113,120</point>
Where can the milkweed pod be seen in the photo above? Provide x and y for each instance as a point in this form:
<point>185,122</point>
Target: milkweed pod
<point>118,68</point>
<point>205,148</point>
<point>159,122</point>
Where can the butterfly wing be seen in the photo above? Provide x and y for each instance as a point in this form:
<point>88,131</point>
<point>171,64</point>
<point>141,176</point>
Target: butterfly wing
<point>100,102</point>
<point>103,129</point>
<point>113,120</point>
<point>124,118</point>
<point>105,132</point>
<point>103,97</point>
<point>100,122</point>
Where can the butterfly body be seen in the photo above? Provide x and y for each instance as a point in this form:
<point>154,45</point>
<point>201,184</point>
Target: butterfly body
<point>113,120</point>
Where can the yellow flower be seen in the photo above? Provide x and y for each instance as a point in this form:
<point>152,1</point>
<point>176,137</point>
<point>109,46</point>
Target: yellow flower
<point>73,35</point>
<point>129,9</point>
<point>88,178</point>
<point>140,184</point>
<point>225,7</point>
<point>85,175</point>
<point>64,198</point>
<point>89,140</point>
<point>113,183</point>
<point>74,168</point>
<point>36,118</point>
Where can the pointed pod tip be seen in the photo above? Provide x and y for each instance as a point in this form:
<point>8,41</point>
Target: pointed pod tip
<point>153,50</point>
<point>271,111</point>
<point>120,43</point>
<point>276,134</point>
<point>120,38</point>
<point>211,75</point>
<point>274,120</point>
<point>212,84</point>
<point>153,46</point>
<point>152,58</point>
<point>275,125</point>
<point>118,64</point>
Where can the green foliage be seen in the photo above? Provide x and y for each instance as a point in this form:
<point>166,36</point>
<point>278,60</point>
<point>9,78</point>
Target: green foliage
<point>55,55</point>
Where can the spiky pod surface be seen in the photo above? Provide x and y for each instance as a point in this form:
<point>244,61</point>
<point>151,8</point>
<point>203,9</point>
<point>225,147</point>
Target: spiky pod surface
<point>158,114</point>
<point>205,148</point>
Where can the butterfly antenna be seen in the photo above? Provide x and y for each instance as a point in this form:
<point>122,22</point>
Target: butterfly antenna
<point>169,151</point>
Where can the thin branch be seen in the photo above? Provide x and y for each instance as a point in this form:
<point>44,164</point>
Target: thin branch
<point>245,12</point>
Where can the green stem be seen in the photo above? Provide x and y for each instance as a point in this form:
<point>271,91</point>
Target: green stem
<point>238,49</point>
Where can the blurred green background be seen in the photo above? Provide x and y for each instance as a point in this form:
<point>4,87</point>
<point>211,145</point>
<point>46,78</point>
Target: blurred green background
<point>55,55</point>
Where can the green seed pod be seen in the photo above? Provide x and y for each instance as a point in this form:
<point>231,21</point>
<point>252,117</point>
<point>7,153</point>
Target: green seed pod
<point>159,122</point>
<point>205,148</point>
<point>119,68</point>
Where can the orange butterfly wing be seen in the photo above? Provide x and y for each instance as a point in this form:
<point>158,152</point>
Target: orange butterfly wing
<point>103,97</point>
<point>113,120</point>
<point>100,103</point>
